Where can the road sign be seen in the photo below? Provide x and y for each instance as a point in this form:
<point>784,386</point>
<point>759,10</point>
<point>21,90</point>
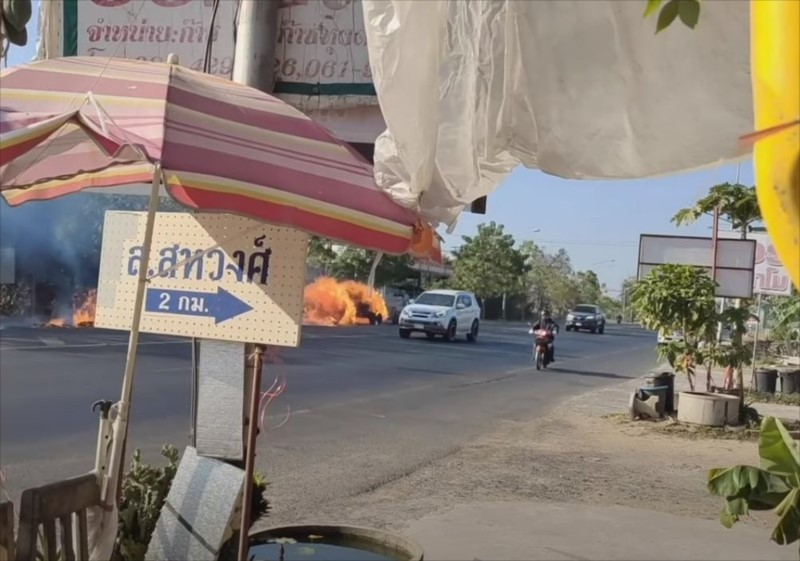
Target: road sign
<point>771,277</point>
<point>734,267</point>
<point>211,276</point>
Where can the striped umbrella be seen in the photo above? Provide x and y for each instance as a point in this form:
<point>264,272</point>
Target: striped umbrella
<point>91,123</point>
<point>78,123</point>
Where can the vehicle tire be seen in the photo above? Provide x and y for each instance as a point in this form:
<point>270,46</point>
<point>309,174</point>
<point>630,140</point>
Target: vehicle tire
<point>451,331</point>
<point>430,336</point>
<point>472,336</point>
<point>603,329</point>
<point>594,330</point>
<point>378,319</point>
<point>405,334</point>
<point>539,359</point>
<point>568,328</point>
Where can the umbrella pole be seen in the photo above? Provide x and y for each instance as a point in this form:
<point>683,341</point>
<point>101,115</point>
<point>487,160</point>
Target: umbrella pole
<point>120,427</point>
<point>250,453</point>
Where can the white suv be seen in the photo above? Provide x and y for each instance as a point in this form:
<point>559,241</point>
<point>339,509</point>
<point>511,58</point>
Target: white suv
<point>448,313</point>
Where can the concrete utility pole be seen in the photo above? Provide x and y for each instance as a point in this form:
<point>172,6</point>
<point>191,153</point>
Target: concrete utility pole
<point>254,61</point>
<point>256,35</point>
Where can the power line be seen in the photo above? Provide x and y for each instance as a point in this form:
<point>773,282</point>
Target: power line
<point>608,243</point>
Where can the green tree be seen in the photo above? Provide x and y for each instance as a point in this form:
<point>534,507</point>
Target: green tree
<point>625,297</point>
<point>355,264</point>
<point>611,306</point>
<point>352,263</point>
<point>321,254</point>
<point>737,204</point>
<point>488,264</point>
<point>589,290</point>
<point>548,283</point>
<point>678,298</point>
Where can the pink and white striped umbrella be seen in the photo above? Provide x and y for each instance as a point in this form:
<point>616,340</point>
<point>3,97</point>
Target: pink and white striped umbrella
<point>79,123</point>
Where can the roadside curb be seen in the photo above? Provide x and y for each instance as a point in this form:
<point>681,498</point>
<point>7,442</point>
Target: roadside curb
<point>616,398</point>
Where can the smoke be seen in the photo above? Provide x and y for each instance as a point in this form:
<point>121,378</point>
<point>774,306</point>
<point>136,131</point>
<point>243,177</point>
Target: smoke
<point>50,239</point>
<point>57,242</point>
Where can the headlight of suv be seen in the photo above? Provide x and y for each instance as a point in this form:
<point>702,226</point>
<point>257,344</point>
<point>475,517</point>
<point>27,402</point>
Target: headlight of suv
<point>440,314</point>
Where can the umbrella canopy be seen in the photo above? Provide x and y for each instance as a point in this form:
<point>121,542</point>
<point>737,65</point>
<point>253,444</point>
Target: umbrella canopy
<point>79,123</point>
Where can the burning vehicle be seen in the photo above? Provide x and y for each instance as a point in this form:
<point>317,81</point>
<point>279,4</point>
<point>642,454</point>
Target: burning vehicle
<point>364,311</point>
<point>330,302</point>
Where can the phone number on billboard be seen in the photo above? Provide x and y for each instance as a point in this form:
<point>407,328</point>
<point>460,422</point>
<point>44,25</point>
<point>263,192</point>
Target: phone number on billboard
<point>291,69</point>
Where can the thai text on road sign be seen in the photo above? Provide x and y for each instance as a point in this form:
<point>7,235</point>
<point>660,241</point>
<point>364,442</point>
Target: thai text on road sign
<point>211,276</point>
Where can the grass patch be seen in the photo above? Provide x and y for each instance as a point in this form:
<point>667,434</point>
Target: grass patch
<point>777,398</point>
<point>670,427</point>
<point>618,418</point>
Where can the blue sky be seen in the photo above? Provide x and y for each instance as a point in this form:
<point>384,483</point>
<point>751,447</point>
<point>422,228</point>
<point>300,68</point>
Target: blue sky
<point>595,221</point>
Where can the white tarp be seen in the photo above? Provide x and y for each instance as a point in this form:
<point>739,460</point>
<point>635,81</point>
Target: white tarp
<point>578,89</point>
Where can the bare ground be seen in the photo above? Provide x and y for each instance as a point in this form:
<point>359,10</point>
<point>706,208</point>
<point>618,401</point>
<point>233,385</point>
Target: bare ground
<point>572,455</point>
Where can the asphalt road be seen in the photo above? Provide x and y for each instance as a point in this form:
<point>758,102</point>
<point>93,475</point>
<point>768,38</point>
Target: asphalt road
<point>367,407</point>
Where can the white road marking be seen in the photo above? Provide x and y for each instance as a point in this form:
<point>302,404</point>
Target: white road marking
<point>52,342</point>
<point>90,345</point>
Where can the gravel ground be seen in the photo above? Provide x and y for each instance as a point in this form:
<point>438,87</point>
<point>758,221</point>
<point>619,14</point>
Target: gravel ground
<point>572,455</point>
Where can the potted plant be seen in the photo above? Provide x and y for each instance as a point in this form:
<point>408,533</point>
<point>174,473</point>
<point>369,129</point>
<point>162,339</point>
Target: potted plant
<point>680,298</point>
<point>677,298</point>
<point>144,490</point>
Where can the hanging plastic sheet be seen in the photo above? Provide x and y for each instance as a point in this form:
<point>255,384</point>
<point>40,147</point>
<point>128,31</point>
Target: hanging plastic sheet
<point>584,90</point>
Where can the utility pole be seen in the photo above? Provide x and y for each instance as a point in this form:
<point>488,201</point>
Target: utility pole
<point>254,62</point>
<point>256,36</point>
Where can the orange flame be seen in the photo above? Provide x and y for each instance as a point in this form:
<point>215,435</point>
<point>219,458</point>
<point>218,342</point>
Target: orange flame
<point>84,306</point>
<point>331,302</point>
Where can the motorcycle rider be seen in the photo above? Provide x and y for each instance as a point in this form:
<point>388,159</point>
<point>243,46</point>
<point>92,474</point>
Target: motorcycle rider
<point>546,323</point>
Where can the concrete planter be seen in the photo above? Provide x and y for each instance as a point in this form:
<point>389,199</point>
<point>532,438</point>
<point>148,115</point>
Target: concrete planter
<point>314,539</point>
<point>709,409</point>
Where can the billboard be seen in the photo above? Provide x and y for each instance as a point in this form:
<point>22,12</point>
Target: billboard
<point>734,264</point>
<point>770,276</point>
<point>321,60</point>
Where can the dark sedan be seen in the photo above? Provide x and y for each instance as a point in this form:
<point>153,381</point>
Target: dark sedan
<point>587,317</point>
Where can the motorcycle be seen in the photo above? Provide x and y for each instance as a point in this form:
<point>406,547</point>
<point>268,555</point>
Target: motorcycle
<point>542,340</point>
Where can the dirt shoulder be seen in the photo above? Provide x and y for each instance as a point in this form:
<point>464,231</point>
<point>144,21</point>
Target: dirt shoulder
<point>573,455</point>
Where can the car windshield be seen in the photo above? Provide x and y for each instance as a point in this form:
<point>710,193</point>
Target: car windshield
<point>435,299</point>
<point>585,309</point>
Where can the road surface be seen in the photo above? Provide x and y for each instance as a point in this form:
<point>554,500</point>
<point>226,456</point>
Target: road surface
<point>367,407</point>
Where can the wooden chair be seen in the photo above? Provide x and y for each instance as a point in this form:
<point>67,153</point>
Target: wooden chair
<point>58,506</point>
<point>6,531</point>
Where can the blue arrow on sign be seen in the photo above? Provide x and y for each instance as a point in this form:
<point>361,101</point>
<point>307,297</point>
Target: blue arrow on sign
<point>220,305</point>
